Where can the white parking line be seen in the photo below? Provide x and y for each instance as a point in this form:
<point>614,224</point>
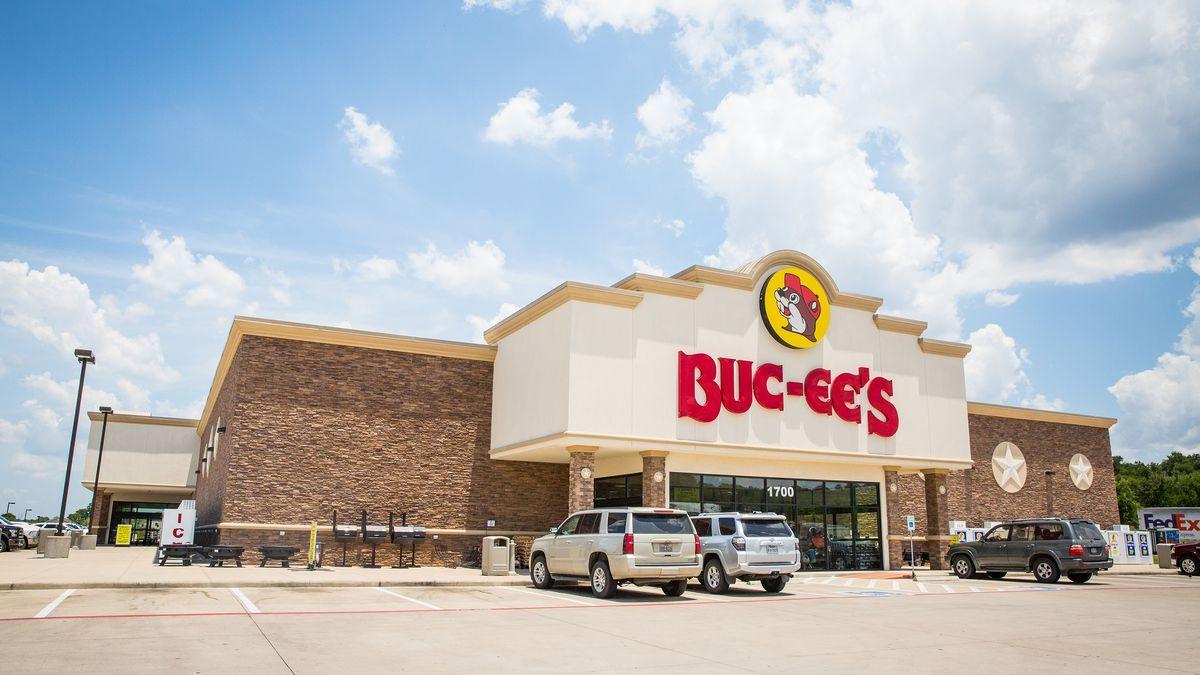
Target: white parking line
<point>550,595</point>
<point>708,596</point>
<point>948,589</point>
<point>975,590</point>
<point>870,583</point>
<point>849,582</point>
<point>53,604</point>
<point>921,587</point>
<point>422,603</point>
<point>250,607</point>
<point>829,580</point>
<point>807,580</point>
<point>895,585</point>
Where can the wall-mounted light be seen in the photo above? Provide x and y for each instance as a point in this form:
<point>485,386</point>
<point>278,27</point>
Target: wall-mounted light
<point>220,430</point>
<point>941,489</point>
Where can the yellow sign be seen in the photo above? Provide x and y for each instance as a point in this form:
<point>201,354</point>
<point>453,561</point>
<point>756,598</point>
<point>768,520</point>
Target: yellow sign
<point>124,534</point>
<point>312,544</point>
<point>794,307</point>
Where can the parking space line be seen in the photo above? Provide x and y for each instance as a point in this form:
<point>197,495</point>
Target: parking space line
<point>975,590</point>
<point>895,585</point>
<point>849,583</point>
<point>250,607</point>
<point>870,583</point>
<point>550,595</point>
<point>829,580</point>
<point>921,587</point>
<point>948,588</point>
<point>53,604</point>
<point>430,605</point>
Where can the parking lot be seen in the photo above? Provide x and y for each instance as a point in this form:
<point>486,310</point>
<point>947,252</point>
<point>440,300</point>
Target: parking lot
<point>832,623</point>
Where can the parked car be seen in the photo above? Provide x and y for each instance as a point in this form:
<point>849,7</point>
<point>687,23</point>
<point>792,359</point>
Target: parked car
<point>11,536</point>
<point>746,547</point>
<point>1187,558</point>
<point>1047,547</point>
<point>610,547</point>
<point>29,532</point>
<point>50,528</point>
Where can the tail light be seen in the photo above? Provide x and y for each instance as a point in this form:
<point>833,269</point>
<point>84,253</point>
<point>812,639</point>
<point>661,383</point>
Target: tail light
<point>1076,551</point>
<point>697,543</point>
<point>739,543</point>
<point>627,545</point>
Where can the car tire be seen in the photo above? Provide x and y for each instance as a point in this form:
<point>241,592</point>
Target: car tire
<point>774,585</point>
<point>996,575</point>
<point>1079,577</point>
<point>602,582</point>
<point>539,573</point>
<point>3,544</point>
<point>962,566</point>
<point>713,577</point>
<point>675,588</point>
<point>1045,570</point>
<point>1189,565</point>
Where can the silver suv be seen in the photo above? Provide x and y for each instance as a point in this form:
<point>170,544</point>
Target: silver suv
<point>747,547</point>
<point>627,545</point>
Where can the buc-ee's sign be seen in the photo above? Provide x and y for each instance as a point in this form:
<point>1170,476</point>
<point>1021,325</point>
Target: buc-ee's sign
<point>793,304</point>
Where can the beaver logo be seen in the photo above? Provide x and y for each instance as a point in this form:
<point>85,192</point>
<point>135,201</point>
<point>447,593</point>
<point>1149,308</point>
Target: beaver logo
<point>793,303</point>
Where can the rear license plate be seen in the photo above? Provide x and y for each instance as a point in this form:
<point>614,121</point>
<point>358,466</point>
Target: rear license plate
<point>1093,550</point>
<point>770,548</point>
<point>663,548</point>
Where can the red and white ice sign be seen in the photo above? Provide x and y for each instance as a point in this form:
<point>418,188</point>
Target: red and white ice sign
<point>178,526</point>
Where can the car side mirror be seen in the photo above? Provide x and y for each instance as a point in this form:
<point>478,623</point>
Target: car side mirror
<point>554,531</point>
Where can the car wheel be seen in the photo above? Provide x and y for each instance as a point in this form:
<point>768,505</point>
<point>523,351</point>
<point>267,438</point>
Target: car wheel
<point>539,573</point>
<point>24,542</point>
<point>1189,565</point>
<point>1079,577</point>
<point>602,581</point>
<point>774,585</point>
<point>675,588</point>
<point>714,577</point>
<point>963,567</point>
<point>996,575</point>
<point>4,545</point>
<point>1045,570</point>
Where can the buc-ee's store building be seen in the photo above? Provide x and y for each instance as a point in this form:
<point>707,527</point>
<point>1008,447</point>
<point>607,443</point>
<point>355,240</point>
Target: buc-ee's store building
<point>766,388</point>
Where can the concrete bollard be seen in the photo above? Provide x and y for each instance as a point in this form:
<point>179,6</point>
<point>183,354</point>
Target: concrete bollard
<point>41,545</point>
<point>87,542</point>
<point>75,536</point>
<point>1164,556</point>
<point>58,547</point>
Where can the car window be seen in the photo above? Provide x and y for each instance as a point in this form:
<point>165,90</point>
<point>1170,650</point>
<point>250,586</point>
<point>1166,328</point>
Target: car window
<point>766,528</point>
<point>703,526</point>
<point>1022,532</point>
<point>1086,530</point>
<point>999,533</point>
<point>728,526</point>
<point>589,524</point>
<point>616,522</point>
<point>662,523</point>
<point>1049,532</point>
<point>569,525</point>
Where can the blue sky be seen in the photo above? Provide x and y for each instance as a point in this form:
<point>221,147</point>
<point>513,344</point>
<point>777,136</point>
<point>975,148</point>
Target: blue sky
<point>1028,182</point>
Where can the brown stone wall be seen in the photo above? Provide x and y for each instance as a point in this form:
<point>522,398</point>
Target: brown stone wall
<point>211,482</point>
<point>654,494</point>
<point>446,550</point>
<point>314,427</point>
<point>581,491</point>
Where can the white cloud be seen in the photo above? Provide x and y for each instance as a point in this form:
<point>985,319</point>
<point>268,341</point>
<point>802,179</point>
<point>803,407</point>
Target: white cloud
<point>502,5</point>
<point>203,281</point>
<point>57,310</point>
<point>676,226</point>
<point>1000,298</point>
<point>376,269</point>
<point>520,120</point>
<point>39,466</point>
<point>278,285</point>
<point>665,116</point>
<point>481,324</point>
<point>475,269</point>
<point>995,371</point>
<point>371,143</point>
<point>12,432</point>
<point>1160,407</point>
<point>644,267</point>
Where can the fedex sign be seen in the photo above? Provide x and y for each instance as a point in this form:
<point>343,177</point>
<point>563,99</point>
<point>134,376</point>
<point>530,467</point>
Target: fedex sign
<point>1186,520</point>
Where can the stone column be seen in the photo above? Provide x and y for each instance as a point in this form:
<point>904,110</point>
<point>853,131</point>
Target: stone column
<point>937,516</point>
<point>654,478</point>
<point>581,486</point>
<point>895,519</point>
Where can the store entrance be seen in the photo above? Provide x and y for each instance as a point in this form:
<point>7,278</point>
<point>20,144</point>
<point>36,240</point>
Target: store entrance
<point>837,522</point>
<point>144,518</point>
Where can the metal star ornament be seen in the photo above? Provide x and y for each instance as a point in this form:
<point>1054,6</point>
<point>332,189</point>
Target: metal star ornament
<point>1008,467</point>
<point>1081,472</point>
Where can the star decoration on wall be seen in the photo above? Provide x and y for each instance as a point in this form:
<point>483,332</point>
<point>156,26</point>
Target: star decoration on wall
<point>1008,467</point>
<point>1081,472</point>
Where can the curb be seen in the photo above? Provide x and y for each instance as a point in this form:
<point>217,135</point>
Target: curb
<point>516,580</point>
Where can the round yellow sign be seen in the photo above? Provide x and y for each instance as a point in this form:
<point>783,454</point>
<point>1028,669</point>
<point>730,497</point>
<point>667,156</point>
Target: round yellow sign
<point>795,307</point>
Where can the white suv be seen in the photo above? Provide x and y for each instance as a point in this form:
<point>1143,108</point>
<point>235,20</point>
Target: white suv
<point>746,547</point>
<point>614,546</point>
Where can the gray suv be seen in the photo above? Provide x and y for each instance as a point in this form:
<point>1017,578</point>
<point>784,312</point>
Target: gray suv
<point>613,546</point>
<point>1047,547</point>
<point>746,547</point>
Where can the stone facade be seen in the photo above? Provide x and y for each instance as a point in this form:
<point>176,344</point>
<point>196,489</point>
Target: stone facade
<point>974,496</point>
<point>581,489</point>
<point>654,493</point>
<point>315,427</point>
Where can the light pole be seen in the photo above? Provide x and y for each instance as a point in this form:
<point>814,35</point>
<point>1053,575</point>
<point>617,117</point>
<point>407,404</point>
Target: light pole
<point>1049,493</point>
<point>26,516</point>
<point>6,509</point>
<point>85,357</point>
<point>105,411</point>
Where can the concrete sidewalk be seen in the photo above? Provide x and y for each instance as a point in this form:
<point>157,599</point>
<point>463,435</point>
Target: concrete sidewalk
<point>110,567</point>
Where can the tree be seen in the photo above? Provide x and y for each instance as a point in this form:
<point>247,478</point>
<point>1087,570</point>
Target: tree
<point>1175,481</point>
<point>81,516</point>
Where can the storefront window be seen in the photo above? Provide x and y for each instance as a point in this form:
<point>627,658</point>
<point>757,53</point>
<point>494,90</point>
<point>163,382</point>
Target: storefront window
<point>837,522</point>
<point>618,490</point>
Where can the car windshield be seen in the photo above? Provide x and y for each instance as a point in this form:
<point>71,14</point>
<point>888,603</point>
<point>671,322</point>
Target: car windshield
<point>1089,531</point>
<point>766,528</point>
<point>661,523</point>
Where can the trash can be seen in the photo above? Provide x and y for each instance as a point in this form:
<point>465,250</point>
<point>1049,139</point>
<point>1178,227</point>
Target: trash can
<point>1164,556</point>
<point>499,556</point>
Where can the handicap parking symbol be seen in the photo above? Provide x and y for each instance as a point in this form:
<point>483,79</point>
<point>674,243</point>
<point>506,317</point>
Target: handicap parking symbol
<point>875,594</point>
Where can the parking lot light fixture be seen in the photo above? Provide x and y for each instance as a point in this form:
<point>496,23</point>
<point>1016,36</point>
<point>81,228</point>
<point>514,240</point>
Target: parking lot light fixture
<point>85,357</point>
<point>105,411</point>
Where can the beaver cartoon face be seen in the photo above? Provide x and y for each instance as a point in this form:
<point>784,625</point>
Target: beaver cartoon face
<point>799,305</point>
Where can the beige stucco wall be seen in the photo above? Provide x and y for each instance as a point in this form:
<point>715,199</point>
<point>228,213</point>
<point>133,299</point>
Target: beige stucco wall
<point>142,452</point>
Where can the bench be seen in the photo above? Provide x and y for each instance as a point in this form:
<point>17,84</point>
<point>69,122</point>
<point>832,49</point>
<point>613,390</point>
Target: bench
<point>281,554</point>
<point>182,552</point>
<point>217,555</point>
